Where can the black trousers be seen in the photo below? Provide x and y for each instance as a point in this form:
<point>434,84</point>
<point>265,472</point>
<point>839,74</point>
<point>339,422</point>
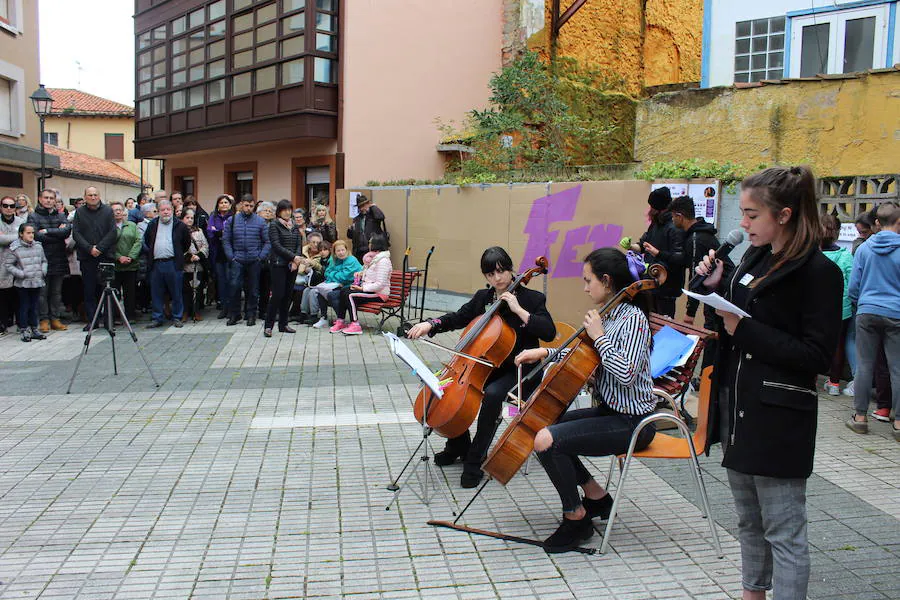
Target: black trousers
<point>282,282</point>
<point>126,282</point>
<point>664,305</point>
<point>495,391</point>
<point>9,303</point>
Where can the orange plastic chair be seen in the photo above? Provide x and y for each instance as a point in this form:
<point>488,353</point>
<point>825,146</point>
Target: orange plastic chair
<point>667,446</point>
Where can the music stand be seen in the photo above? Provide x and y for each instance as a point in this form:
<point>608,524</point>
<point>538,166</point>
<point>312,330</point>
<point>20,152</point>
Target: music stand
<point>401,351</point>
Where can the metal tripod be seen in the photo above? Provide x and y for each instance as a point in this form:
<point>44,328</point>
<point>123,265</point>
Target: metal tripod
<point>109,299</point>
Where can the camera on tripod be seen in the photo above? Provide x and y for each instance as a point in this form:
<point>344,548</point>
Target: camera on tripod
<point>107,273</point>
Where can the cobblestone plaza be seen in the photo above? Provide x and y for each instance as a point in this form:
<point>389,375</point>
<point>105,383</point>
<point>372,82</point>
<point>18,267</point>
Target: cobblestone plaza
<point>258,470</point>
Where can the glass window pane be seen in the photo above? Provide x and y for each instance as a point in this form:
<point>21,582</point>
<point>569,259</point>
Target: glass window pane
<point>742,63</point>
<point>757,75</point>
<point>196,73</point>
<point>292,46</point>
<point>243,41</point>
<point>326,42</point>
<point>143,109</point>
<point>216,10</point>
<point>159,53</point>
<point>294,23</point>
<point>179,46</point>
<point>760,26</point>
<point>216,69</point>
<point>144,40</point>
<point>325,22</point>
<point>264,53</point>
<point>239,4</point>
<point>325,5</point>
<point>179,25</point>
<point>759,44</point>
<point>814,50</point>
<point>741,77</point>
<point>776,42</point>
<point>240,84</point>
<point>159,33</point>
<point>145,88</point>
<point>217,49</point>
<point>266,13</point>
<point>265,78</point>
<point>758,61</point>
<point>859,44</point>
<point>159,69</point>
<point>243,22</point>
<point>177,100</point>
<point>242,59</point>
<point>195,96</point>
<point>143,59</point>
<point>776,74</point>
<point>293,4</point>
<point>325,71</point>
<point>179,78</point>
<point>196,19</point>
<point>742,46</point>
<point>197,39</point>
<point>159,84</point>
<point>159,105</point>
<point>742,29</point>
<point>144,74</point>
<point>179,62</point>
<point>292,72</point>
<point>776,25</point>
<point>776,60</point>
<point>216,30</point>
<point>197,56</point>
<point>216,90</point>
<point>265,33</point>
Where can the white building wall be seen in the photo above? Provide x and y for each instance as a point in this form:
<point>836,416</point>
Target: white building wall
<point>718,62</point>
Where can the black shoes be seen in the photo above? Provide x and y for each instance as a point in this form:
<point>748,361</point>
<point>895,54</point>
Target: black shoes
<point>178,323</point>
<point>267,332</point>
<point>233,321</point>
<point>470,479</point>
<point>287,329</point>
<point>154,324</point>
<point>598,508</point>
<point>251,322</point>
<point>448,455</point>
<point>223,314</point>
<point>569,535</point>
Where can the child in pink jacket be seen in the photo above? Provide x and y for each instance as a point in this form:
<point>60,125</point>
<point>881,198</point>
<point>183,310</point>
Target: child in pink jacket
<point>374,285</point>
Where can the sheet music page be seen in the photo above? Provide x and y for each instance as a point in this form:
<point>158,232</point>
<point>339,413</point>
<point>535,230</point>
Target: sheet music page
<point>404,353</point>
<point>717,302</point>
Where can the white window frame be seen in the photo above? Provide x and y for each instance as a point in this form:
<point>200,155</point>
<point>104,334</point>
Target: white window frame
<point>836,32</point>
<point>16,77</point>
<point>13,23</point>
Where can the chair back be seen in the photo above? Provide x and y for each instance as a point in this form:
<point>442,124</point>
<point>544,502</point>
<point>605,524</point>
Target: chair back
<point>563,332</point>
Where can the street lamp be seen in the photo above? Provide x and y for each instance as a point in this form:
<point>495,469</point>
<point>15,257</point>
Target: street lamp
<point>42,102</point>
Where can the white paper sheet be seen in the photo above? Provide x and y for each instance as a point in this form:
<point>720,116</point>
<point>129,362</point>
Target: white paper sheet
<point>403,352</point>
<point>718,303</point>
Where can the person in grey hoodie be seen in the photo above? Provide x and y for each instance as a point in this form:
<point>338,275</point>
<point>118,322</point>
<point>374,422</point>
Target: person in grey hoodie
<point>28,265</point>
<point>875,289</point>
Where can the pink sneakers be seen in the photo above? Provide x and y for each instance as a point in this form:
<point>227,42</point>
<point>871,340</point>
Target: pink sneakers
<point>338,326</point>
<point>353,328</point>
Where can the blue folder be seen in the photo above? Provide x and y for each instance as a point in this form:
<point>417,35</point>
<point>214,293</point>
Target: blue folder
<point>668,346</point>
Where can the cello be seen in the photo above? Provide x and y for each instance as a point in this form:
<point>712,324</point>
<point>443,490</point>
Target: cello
<point>561,383</point>
<point>487,340</point>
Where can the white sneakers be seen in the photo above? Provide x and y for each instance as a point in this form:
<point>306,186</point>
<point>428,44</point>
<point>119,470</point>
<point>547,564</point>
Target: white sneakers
<point>848,391</point>
<point>321,323</point>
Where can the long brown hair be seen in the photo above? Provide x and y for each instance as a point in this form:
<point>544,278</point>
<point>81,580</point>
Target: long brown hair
<point>778,188</point>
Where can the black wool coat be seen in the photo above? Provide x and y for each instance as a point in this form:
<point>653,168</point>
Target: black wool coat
<point>766,372</point>
<point>540,324</point>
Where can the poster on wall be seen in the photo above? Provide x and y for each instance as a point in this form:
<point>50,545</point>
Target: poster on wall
<point>353,210</point>
<point>704,195</point>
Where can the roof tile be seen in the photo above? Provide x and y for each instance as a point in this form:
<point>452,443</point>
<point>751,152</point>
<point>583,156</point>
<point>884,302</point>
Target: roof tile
<point>69,101</point>
<point>85,165</point>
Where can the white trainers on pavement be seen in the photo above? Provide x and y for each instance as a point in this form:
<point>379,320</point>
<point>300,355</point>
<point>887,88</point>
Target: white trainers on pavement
<point>849,391</point>
<point>321,323</point>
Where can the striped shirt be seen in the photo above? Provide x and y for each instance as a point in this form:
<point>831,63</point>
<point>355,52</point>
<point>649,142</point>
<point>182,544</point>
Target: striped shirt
<point>623,380</point>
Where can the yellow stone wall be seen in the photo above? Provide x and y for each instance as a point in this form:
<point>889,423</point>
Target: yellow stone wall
<point>606,35</point>
<point>840,127</point>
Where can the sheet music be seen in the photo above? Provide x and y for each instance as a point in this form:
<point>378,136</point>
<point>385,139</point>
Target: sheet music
<point>403,352</point>
<point>717,302</point>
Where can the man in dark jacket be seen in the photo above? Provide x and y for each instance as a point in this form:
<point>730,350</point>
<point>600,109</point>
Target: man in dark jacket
<point>245,241</point>
<point>51,230</point>
<point>662,244</point>
<point>94,232</point>
<point>369,221</point>
<point>165,242</point>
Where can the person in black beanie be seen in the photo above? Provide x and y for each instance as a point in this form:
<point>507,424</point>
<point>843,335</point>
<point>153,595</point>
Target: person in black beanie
<point>663,244</point>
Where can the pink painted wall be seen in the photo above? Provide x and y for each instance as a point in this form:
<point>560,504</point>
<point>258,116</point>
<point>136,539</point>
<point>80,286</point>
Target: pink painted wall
<point>406,63</point>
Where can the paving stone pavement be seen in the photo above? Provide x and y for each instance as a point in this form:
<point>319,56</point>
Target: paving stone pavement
<point>258,470</point>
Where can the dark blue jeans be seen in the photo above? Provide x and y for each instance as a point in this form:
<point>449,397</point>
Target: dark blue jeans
<point>223,284</point>
<point>597,431</point>
<point>244,277</point>
<point>29,299</point>
<point>165,277</point>
<point>333,300</point>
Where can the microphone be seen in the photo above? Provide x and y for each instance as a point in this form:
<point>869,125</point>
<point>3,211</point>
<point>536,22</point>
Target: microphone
<point>734,238</point>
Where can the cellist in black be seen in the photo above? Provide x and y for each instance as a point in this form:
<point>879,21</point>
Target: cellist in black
<point>525,311</point>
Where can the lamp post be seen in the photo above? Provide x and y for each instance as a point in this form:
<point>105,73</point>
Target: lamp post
<point>42,102</point>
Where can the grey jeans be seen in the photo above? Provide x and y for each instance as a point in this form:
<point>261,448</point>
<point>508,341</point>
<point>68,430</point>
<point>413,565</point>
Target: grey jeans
<point>873,331</point>
<point>772,533</point>
<point>51,305</point>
